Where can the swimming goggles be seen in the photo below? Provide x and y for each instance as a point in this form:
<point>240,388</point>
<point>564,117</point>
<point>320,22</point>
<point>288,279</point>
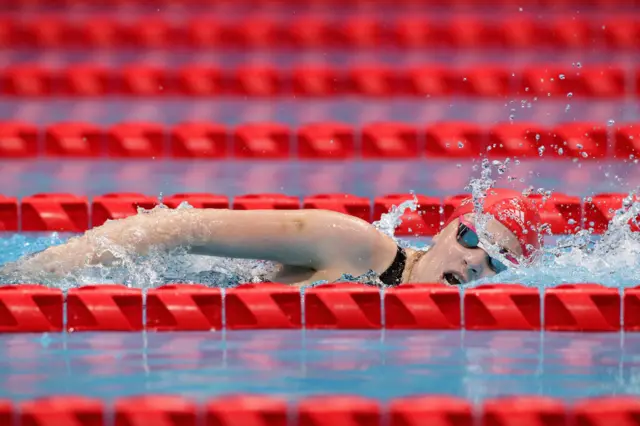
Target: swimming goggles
<point>468,237</point>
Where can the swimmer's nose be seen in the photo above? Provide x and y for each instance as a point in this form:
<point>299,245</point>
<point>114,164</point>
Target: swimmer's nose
<point>476,263</point>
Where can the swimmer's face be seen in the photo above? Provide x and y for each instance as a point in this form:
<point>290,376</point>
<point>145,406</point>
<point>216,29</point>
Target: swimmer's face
<point>450,262</point>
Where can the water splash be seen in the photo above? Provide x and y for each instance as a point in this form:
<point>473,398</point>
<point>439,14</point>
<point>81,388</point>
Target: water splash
<point>612,259</point>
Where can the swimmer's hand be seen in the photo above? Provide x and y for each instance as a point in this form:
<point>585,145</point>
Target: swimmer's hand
<point>315,239</point>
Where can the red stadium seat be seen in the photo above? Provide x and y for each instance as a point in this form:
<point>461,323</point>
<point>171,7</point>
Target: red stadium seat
<point>55,212</point>
<point>313,32</point>
<point>86,80</point>
<point>390,141</point>
<point>361,32</point>
<point>266,201</point>
<point>18,140</point>
<point>136,140</point>
<point>430,81</point>
<point>326,141</point>
<point>375,81</point>
<point>489,81</point>
<point>579,140</point>
<point>627,142</point>
<point>27,80</point>
<point>601,82</point>
<point>622,32</point>
<point>154,33</point>
<point>257,81</point>
<point>199,201</point>
<point>145,80</point>
<point>200,80</point>
<point>417,32</point>
<point>199,140</point>
<point>262,141</point>
<point>118,206</point>
<point>546,81</point>
<point>424,221</point>
<point>49,32</point>
<point>518,140</point>
<point>455,140</point>
<point>74,140</point>
<point>343,203</point>
<point>567,31</point>
<point>317,81</point>
<point>205,32</point>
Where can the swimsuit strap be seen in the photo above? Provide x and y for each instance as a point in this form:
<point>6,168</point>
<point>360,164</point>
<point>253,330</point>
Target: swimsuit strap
<point>393,275</point>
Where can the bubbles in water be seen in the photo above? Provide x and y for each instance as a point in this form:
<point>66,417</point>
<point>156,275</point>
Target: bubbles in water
<point>460,144</point>
<point>541,151</point>
<point>569,95</point>
<point>561,76</point>
<point>611,123</point>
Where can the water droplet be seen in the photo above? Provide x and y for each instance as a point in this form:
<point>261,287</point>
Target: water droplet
<point>512,117</point>
<point>592,223</point>
<point>571,222</point>
<point>517,162</point>
<point>577,65</point>
<point>567,108</point>
<point>561,76</point>
<point>541,151</point>
<point>579,146</point>
<point>585,155</point>
<point>460,144</point>
<point>611,123</point>
<point>537,136</point>
<point>560,151</point>
<point>569,95</point>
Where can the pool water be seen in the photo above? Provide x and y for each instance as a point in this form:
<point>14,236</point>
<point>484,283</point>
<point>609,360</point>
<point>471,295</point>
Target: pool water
<point>378,364</point>
<point>382,364</point>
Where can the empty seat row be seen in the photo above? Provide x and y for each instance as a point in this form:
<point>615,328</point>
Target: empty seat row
<point>565,214</point>
<point>410,31</point>
<point>500,81</point>
<point>321,141</point>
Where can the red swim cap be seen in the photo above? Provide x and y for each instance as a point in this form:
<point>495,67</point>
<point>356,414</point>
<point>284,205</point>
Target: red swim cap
<point>514,211</point>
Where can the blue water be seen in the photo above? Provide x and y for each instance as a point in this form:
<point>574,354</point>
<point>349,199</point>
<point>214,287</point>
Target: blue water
<point>379,364</point>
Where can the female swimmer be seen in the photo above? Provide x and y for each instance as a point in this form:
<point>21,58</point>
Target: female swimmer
<point>312,245</point>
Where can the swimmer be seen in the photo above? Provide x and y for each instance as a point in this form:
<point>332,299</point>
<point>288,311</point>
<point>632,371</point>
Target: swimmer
<point>312,245</point>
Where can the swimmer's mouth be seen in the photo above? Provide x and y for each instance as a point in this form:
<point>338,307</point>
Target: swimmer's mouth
<point>451,278</point>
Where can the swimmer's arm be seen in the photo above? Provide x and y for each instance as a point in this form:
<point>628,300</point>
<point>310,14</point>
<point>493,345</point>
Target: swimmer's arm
<point>315,239</point>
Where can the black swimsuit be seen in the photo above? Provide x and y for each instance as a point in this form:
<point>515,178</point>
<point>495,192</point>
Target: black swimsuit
<point>393,275</point>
